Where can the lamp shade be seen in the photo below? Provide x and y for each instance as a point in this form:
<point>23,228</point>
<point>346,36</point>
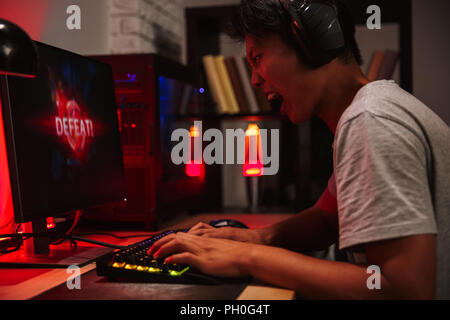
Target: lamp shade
<point>18,53</point>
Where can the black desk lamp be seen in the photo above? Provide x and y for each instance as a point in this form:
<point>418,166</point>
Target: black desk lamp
<point>18,53</point>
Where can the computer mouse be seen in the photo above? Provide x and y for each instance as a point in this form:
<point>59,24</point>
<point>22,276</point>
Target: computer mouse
<point>227,223</point>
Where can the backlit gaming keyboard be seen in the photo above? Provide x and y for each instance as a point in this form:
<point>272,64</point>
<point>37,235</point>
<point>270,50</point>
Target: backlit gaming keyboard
<point>132,264</point>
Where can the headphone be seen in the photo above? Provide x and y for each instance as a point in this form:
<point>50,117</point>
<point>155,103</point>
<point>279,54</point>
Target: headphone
<point>317,30</point>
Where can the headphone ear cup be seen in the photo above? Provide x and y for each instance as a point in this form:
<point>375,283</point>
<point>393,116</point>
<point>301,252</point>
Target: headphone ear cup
<point>318,32</point>
<point>299,31</point>
<point>324,29</point>
<point>303,45</point>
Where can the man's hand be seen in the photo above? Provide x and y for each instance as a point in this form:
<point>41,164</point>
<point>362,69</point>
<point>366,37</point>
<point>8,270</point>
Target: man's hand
<point>219,257</point>
<point>237,234</point>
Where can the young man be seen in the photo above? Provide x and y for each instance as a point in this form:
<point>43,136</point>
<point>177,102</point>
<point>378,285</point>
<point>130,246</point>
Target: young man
<point>388,201</point>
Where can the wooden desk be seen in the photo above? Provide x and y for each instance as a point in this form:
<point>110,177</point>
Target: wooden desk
<point>22,284</point>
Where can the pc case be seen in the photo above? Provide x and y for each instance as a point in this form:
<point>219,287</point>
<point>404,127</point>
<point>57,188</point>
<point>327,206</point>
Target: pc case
<point>151,93</point>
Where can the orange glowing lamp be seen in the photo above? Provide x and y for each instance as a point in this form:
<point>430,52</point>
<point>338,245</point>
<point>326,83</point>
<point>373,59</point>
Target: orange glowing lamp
<point>253,166</point>
<point>194,167</point>
<point>194,132</point>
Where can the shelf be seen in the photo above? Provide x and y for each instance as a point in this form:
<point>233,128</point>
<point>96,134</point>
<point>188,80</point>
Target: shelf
<point>239,117</point>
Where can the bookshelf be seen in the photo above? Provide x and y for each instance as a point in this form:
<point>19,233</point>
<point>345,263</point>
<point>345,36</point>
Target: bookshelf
<point>306,167</point>
<point>392,12</point>
<point>204,27</point>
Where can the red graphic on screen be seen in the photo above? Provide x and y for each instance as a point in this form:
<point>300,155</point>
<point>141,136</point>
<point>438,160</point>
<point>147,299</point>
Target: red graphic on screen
<point>71,123</point>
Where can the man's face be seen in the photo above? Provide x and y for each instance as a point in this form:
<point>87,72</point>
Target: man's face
<point>277,70</point>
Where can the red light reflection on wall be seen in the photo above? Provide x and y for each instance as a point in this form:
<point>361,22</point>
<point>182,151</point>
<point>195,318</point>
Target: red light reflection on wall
<point>6,204</point>
<point>30,15</point>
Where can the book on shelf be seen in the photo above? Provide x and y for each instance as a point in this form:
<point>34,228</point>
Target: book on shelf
<point>184,103</point>
<point>229,80</point>
<point>382,65</point>
<point>174,98</point>
<point>232,104</point>
<point>263,103</point>
<point>237,84</point>
<point>375,65</point>
<point>245,77</point>
<point>214,83</point>
<point>388,66</point>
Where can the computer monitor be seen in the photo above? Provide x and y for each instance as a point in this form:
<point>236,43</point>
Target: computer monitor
<point>62,138</point>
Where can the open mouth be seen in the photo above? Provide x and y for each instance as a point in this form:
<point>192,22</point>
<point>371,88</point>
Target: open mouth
<point>276,101</point>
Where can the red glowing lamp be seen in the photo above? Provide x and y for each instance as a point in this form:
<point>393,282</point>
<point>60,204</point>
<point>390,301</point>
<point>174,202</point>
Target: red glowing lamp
<point>194,167</point>
<point>253,166</point>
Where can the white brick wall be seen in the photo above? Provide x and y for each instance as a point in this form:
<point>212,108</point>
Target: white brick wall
<point>147,26</point>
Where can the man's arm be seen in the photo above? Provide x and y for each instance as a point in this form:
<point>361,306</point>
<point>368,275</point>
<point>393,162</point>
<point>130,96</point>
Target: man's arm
<point>315,228</point>
<point>311,229</point>
<point>407,266</point>
<point>407,271</point>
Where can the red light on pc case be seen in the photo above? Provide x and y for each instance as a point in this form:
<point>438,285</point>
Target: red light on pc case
<point>50,223</point>
<point>119,118</point>
<point>6,204</point>
<point>18,74</point>
<point>253,166</point>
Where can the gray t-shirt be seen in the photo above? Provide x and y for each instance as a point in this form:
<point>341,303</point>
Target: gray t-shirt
<point>392,172</point>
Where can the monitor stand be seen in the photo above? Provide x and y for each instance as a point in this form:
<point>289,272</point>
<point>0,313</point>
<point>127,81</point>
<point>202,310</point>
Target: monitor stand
<point>37,252</point>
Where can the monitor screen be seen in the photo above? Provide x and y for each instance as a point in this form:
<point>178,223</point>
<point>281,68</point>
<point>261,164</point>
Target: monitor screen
<point>63,142</point>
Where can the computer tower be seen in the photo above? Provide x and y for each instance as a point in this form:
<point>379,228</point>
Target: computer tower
<point>152,102</point>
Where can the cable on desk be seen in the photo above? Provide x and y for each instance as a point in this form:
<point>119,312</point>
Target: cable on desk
<point>78,215</point>
<point>100,243</point>
<point>15,241</point>
<point>116,236</point>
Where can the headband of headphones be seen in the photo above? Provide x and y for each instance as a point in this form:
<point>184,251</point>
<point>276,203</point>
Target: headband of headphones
<point>317,30</point>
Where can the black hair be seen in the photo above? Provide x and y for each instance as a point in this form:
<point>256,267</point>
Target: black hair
<point>262,17</point>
